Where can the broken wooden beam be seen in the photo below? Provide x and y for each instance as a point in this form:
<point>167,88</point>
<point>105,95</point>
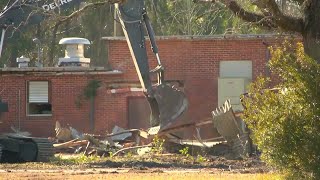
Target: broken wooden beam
<point>71,143</point>
<point>131,148</point>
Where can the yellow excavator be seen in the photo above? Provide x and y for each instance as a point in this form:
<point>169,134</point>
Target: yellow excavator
<point>167,103</point>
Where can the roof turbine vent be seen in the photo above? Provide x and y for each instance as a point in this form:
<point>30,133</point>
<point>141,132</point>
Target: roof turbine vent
<point>74,53</point>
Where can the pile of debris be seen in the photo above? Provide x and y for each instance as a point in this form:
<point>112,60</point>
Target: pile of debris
<point>231,128</point>
<point>69,140</point>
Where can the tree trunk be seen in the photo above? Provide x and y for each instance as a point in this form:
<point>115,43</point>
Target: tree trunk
<point>13,57</point>
<point>284,5</point>
<point>311,33</point>
<point>53,45</point>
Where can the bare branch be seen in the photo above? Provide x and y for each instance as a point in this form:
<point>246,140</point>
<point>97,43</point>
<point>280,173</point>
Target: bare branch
<point>242,13</point>
<point>285,22</point>
<point>250,16</point>
<point>298,1</point>
<point>91,5</point>
<point>272,18</point>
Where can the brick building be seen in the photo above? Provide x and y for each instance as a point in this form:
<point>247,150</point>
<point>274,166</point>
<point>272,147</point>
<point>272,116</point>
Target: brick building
<point>196,64</point>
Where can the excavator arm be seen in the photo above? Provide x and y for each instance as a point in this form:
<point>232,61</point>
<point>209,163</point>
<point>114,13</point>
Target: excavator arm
<point>167,103</point>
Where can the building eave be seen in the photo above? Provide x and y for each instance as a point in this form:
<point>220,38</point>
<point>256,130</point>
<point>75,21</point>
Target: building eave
<point>59,71</point>
<point>211,37</point>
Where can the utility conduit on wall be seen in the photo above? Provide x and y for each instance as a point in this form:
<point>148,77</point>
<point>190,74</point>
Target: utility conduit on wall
<point>124,90</point>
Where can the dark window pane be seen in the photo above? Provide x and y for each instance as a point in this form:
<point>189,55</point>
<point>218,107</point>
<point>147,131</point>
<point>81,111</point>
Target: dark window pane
<point>39,108</point>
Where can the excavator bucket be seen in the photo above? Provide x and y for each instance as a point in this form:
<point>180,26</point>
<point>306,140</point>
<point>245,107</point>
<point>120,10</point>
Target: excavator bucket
<point>167,106</point>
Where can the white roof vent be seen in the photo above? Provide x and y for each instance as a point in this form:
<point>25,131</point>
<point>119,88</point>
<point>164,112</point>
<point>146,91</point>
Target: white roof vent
<point>23,62</point>
<point>74,40</point>
<point>74,53</point>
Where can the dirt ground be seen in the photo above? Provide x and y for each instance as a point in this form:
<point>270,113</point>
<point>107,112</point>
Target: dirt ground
<point>146,167</point>
<point>174,175</point>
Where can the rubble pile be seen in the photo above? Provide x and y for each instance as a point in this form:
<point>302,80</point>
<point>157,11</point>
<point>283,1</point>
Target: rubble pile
<point>70,140</point>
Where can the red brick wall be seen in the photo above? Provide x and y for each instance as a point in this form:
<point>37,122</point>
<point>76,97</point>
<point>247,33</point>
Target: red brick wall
<point>65,90</point>
<point>194,61</point>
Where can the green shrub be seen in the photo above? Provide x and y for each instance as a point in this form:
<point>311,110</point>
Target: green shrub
<point>158,145</point>
<point>285,124</point>
<point>185,152</point>
<point>201,159</point>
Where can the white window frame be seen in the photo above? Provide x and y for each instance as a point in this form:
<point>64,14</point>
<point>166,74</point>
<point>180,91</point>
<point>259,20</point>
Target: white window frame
<point>44,99</point>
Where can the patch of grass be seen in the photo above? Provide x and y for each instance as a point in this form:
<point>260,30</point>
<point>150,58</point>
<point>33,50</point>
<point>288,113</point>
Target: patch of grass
<point>201,159</point>
<point>76,160</point>
<point>263,177</point>
<point>139,176</point>
<point>29,165</point>
<point>129,155</point>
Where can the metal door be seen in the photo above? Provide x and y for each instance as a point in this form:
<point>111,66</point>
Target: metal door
<point>138,113</point>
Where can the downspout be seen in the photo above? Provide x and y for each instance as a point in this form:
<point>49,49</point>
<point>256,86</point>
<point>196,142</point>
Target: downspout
<point>2,39</point>
<point>267,57</point>
<point>91,113</point>
<point>91,93</point>
<point>19,110</point>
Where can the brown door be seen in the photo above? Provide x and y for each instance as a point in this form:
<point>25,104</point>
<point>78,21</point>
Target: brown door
<point>139,113</point>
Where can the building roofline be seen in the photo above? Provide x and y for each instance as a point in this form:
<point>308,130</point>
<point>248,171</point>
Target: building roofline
<point>211,37</point>
<point>59,70</point>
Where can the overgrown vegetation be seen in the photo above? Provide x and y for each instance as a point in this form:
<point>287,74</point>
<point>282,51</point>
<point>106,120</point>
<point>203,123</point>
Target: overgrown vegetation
<point>185,152</point>
<point>89,92</point>
<point>286,123</point>
<point>76,160</point>
<point>157,145</point>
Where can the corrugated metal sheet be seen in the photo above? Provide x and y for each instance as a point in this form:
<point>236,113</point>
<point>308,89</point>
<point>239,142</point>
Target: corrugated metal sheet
<point>38,92</point>
<point>225,122</point>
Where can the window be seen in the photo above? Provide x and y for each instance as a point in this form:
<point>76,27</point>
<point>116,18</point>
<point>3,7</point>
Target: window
<point>38,98</point>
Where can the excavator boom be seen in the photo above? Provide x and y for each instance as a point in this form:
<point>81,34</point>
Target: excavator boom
<point>166,102</point>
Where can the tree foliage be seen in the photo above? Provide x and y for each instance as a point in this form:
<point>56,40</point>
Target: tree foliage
<point>95,24</point>
<point>286,123</point>
<point>294,16</point>
<point>94,19</point>
<point>184,17</point>
<point>71,22</point>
